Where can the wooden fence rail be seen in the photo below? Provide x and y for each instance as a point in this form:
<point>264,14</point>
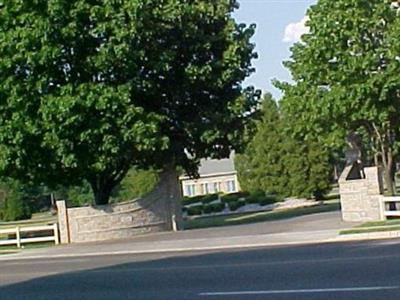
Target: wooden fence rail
<point>32,229</point>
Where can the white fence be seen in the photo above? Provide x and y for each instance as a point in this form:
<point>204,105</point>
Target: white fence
<point>18,230</point>
<point>391,206</point>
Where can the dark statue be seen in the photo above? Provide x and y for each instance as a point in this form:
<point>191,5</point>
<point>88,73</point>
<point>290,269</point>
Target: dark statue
<point>354,153</point>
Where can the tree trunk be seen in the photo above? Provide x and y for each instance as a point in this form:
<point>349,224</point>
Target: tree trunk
<point>385,143</point>
<point>102,190</point>
<point>102,197</point>
<point>391,174</point>
<point>170,178</point>
<point>388,164</point>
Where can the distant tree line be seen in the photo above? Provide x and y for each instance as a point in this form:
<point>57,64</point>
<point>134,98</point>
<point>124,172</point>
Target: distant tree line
<point>19,200</point>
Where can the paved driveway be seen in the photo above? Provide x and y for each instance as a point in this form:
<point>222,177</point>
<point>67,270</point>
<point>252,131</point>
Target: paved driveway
<point>314,222</point>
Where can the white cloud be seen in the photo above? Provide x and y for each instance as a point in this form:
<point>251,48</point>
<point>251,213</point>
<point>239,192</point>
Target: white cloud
<point>294,31</point>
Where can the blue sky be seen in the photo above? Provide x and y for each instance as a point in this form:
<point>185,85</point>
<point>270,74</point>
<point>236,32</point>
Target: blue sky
<point>273,18</point>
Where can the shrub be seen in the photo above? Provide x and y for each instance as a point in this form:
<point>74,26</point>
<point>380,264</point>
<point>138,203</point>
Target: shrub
<point>269,199</point>
<point>253,199</point>
<point>137,183</point>
<point>17,209</point>
<point>15,206</point>
<point>229,198</point>
<point>234,205</point>
<point>215,207</point>
<point>242,194</point>
<point>258,193</point>
<point>191,200</point>
<point>195,210</point>
<point>218,207</point>
<point>207,209</point>
<point>209,198</point>
<point>78,196</point>
<point>279,198</point>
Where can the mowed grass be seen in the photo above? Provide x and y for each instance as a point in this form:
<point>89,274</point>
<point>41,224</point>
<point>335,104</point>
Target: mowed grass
<point>378,226</point>
<point>9,249</point>
<point>370,229</point>
<point>253,217</point>
<point>37,219</point>
<point>379,223</point>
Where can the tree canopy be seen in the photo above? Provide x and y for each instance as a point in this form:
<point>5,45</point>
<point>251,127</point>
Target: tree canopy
<point>89,88</point>
<point>276,162</point>
<point>346,73</point>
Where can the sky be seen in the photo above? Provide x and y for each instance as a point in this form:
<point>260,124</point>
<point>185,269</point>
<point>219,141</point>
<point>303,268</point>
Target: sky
<point>280,23</point>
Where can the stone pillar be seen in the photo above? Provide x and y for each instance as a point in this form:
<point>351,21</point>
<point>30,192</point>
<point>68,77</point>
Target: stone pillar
<point>360,198</point>
<point>62,213</point>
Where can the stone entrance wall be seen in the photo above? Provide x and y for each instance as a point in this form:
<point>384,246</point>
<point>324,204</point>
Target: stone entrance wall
<point>361,194</point>
<point>158,211</point>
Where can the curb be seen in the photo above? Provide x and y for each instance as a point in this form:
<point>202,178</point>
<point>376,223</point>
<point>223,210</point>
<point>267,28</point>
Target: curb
<point>167,250</point>
<point>338,239</point>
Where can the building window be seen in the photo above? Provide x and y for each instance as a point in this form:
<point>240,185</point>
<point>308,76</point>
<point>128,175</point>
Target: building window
<point>211,188</point>
<point>217,187</point>
<point>204,189</point>
<point>190,190</point>
<point>231,186</point>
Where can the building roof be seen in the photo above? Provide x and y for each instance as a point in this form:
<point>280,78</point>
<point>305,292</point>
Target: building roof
<point>215,166</point>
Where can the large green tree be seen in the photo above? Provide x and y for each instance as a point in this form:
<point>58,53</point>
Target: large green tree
<point>276,162</point>
<point>346,73</point>
<point>89,88</point>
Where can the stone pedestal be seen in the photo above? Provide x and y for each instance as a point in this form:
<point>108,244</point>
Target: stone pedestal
<point>360,198</point>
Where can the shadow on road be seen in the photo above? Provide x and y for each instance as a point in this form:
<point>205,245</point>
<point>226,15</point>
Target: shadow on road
<point>186,276</point>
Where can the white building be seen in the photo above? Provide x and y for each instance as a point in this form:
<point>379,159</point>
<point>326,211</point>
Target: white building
<point>216,175</point>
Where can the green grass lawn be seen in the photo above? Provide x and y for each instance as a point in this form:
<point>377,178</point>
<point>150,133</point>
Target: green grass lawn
<point>388,225</point>
<point>253,217</point>
<point>36,220</point>
<point>13,249</point>
<point>4,252</point>
<point>379,223</point>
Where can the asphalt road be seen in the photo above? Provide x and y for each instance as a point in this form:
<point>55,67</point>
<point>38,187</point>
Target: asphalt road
<point>362,270</point>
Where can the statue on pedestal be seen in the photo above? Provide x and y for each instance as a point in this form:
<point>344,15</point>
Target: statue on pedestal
<point>354,153</point>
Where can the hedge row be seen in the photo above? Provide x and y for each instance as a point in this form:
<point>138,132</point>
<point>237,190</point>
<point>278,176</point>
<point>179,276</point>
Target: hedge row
<point>254,198</point>
<point>235,205</point>
<point>204,199</point>
<point>205,209</point>
<point>234,201</point>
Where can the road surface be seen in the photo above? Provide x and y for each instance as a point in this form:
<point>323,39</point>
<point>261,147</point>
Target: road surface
<point>357,270</point>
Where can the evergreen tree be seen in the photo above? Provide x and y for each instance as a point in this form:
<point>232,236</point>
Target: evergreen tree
<point>275,162</point>
<point>261,167</point>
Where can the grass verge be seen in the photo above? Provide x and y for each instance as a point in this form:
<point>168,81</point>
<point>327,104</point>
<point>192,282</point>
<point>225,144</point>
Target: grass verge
<point>369,229</point>
<point>13,249</point>
<point>378,226</point>
<point>379,223</point>
<point>253,217</point>
<point>36,220</point>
